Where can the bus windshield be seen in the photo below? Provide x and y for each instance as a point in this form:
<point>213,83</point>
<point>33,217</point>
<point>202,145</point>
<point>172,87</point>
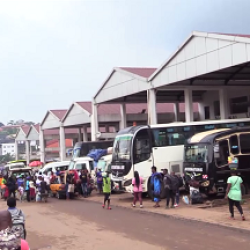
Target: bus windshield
<point>122,147</point>
<point>101,165</point>
<point>76,152</point>
<point>196,153</point>
<point>71,165</point>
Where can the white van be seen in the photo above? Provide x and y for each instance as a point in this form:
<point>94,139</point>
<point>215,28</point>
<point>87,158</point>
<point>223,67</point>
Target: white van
<point>104,163</point>
<point>81,163</point>
<point>53,166</point>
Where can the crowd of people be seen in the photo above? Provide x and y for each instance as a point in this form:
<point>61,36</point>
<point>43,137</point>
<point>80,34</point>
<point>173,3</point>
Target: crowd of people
<point>29,187</point>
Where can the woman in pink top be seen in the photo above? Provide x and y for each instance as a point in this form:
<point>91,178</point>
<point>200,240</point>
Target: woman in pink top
<point>137,188</point>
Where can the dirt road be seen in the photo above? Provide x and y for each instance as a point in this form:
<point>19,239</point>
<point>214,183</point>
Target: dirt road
<point>85,225</point>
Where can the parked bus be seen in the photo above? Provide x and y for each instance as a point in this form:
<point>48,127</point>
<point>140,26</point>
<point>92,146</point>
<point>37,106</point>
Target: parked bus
<point>206,158</point>
<point>140,147</point>
<point>82,148</point>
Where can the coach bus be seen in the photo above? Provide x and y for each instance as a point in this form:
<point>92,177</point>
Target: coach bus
<point>206,157</point>
<point>82,148</point>
<point>139,148</point>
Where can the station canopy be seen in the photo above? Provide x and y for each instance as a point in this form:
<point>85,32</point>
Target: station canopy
<point>204,61</point>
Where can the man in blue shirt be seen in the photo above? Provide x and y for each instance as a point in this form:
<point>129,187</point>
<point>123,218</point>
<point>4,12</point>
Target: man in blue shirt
<point>20,180</point>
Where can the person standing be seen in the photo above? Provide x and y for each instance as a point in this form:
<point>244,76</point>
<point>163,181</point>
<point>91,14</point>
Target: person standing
<point>137,182</point>
<point>106,189</point>
<point>156,181</point>
<point>84,182</point>
<point>99,180</point>
<point>11,184</point>
<point>234,195</point>
<point>176,184</point>
<point>167,180</point>
<point>27,188</point>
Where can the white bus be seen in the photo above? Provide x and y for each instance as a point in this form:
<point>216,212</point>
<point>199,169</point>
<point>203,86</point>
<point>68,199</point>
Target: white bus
<point>139,148</point>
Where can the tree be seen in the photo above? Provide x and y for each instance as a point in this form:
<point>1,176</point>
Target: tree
<point>6,158</point>
<point>11,122</point>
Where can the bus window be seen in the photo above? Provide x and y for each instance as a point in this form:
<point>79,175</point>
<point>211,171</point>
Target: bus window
<point>163,137</point>
<point>234,144</point>
<point>142,147</point>
<point>222,160</point>
<point>244,143</point>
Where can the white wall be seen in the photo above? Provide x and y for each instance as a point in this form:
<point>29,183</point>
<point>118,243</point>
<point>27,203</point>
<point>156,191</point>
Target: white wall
<point>8,148</point>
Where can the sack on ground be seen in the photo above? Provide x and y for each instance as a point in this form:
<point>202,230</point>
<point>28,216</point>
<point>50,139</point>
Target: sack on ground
<point>71,188</point>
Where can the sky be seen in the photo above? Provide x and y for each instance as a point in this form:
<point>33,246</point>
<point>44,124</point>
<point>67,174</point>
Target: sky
<point>53,53</point>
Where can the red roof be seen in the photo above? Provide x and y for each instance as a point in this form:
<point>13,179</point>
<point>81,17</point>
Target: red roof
<point>55,143</point>
<point>133,108</point>
<point>74,131</point>
<point>26,129</point>
<point>144,72</point>
<point>59,113</point>
<point>36,126</point>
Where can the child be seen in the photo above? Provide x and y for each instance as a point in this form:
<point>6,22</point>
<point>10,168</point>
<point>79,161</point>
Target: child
<point>9,236</point>
<point>21,192</point>
<point>18,218</point>
<point>106,189</point>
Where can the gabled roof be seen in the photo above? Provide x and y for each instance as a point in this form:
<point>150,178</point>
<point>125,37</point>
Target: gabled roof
<point>143,72</point>
<point>23,132</point>
<point>221,36</point>
<point>35,127</point>
<point>140,74</point>
<point>57,114</point>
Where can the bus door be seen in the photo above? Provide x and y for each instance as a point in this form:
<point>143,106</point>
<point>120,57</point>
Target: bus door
<point>142,153</point>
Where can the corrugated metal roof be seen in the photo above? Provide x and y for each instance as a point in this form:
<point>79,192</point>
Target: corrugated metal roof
<point>134,108</point>
<point>144,72</point>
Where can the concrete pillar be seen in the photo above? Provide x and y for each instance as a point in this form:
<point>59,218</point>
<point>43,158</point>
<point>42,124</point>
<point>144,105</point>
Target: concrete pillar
<point>188,98</point>
<point>176,111</point>
<point>107,128</point>
<point>79,134</point>
<point>41,145</point>
<point>27,151</point>
<point>152,112</point>
<point>16,150</point>
<point>201,111</point>
<point>223,104</point>
<point>94,122</point>
<point>62,144</point>
<point>123,122</point>
<point>85,133</point>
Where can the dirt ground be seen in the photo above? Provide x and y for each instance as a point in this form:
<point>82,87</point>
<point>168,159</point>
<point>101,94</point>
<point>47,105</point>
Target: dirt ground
<point>83,224</point>
<point>217,215</point>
